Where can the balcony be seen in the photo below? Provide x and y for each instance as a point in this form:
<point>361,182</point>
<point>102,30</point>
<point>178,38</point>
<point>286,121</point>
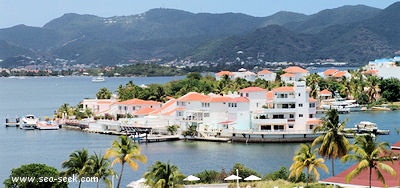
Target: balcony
<point>270,121</point>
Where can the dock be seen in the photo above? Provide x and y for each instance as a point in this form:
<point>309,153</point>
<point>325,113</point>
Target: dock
<point>12,122</point>
<point>158,138</point>
<point>273,137</point>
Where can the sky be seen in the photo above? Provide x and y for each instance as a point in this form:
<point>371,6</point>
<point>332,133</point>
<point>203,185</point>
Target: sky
<point>39,12</point>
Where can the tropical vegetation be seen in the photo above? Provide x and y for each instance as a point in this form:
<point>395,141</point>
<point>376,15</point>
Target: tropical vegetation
<point>332,142</point>
<point>163,175</point>
<point>125,151</point>
<point>370,156</point>
<point>76,165</point>
<point>306,158</point>
<point>38,172</point>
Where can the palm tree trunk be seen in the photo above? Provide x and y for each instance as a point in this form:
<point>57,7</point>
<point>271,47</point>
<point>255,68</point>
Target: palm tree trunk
<point>120,175</point>
<point>308,177</point>
<point>79,185</point>
<point>98,183</point>
<point>333,167</point>
<point>370,176</point>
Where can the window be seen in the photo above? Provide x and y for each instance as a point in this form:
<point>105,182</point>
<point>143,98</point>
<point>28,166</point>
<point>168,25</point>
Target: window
<point>299,94</point>
<point>179,113</point>
<point>205,104</point>
<point>311,116</point>
<point>291,115</point>
<point>291,126</point>
<point>285,106</point>
<point>312,105</point>
<point>301,105</point>
<point>265,127</point>
<point>133,108</point>
<point>247,94</point>
<point>232,105</point>
<point>119,107</point>
<point>206,115</point>
<point>125,108</point>
<point>278,116</point>
<point>300,115</point>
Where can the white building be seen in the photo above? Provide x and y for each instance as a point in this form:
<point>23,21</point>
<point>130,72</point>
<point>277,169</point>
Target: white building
<point>293,74</point>
<point>385,68</point>
<point>267,75</point>
<point>288,109</point>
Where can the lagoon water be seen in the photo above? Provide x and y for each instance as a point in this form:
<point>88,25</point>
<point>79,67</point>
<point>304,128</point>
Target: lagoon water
<point>43,95</point>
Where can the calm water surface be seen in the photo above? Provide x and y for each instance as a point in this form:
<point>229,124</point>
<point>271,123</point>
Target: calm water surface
<point>41,96</point>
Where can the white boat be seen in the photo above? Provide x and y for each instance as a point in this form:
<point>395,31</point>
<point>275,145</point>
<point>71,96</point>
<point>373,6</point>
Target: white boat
<point>98,79</point>
<point>341,104</point>
<point>366,127</point>
<point>28,122</point>
<point>47,125</point>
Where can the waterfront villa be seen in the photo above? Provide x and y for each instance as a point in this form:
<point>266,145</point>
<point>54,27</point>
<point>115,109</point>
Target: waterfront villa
<point>255,110</point>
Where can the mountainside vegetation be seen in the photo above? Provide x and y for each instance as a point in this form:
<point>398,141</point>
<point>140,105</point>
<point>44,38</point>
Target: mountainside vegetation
<point>354,34</point>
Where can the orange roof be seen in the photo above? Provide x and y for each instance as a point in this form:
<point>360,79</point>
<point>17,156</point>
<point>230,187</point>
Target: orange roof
<point>265,71</point>
<point>138,102</point>
<point>295,69</point>
<point>312,100</point>
<point>165,106</point>
<point>340,74</point>
<point>221,73</point>
<point>330,72</point>
<point>220,99</point>
<point>362,179</point>
<point>287,75</point>
<point>371,72</point>
<point>313,121</point>
<point>194,96</point>
<point>251,89</point>
<point>144,111</point>
<point>270,95</point>
<point>325,92</point>
<point>240,99</point>
<point>283,89</point>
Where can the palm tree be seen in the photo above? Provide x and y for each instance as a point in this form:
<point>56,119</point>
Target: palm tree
<point>370,155</point>
<point>76,164</point>
<point>333,143</point>
<point>125,151</point>
<point>163,175</point>
<point>306,158</point>
<point>312,81</point>
<point>99,167</point>
<point>103,93</point>
<point>373,83</point>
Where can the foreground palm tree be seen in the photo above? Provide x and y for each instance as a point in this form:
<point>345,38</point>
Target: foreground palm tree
<point>370,155</point>
<point>76,164</point>
<point>332,142</point>
<point>163,175</point>
<point>306,158</point>
<point>125,151</point>
<point>99,167</point>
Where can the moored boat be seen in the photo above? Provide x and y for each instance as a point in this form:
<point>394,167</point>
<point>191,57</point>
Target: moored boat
<point>47,125</point>
<point>28,122</point>
<point>98,79</point>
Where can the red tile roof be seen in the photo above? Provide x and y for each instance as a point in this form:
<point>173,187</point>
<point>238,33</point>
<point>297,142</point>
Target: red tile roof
<point>363,178</point>
<point>251,89</point>
<point>144,111</point>
<point>138,102</point>
<point>325,92</point>
<point>287,75</point>
<point>340,74</point>
<point>270,95</point>
<point>221,73</point>
<point>295,69</point>
<point>194,96</point>
<point>265,71</point>
<point>330,72</point>
<point>283,89</point>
